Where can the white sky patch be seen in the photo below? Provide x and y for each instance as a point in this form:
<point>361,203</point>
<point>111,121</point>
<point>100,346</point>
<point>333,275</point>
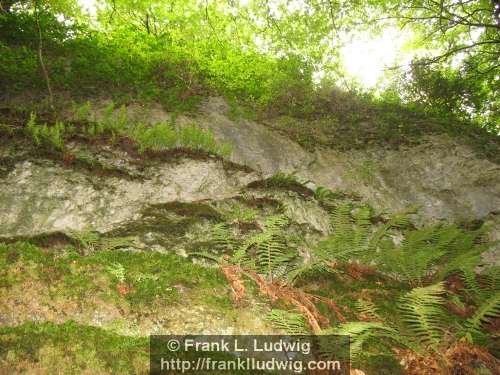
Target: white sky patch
<point>89,6</point>
<point>366,57</point>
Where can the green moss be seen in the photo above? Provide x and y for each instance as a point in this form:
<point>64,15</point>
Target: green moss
<point>71,349</point>
<point>196,210</point>
<point>282,181</point>
<point>152,278</point>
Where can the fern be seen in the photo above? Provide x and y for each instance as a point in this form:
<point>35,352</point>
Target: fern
<point>485,313</point>
<point>159,137</point>
<point>399,220</point>
<point>51,136</point>
<point>85,239</point>
<point>350,234</point>
<point>421,311</point>
<point>271,247</point>
<point>368,309</point>
<point>196,138</point>
<point>464,256</point>
<point>222,238</point>
<point>82,112</point>
<point>326,196</point>
<point>291,323</point>
<point>491,278</point>
<point>117,271</point>
<point>413,261</point>
<point>300,271</point>
<point>362,332</point>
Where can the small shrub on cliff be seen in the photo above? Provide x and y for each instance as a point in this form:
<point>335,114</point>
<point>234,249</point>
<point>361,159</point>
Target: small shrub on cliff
<point>42,134</point>
<point>197,138</point>
<point>159,137</point>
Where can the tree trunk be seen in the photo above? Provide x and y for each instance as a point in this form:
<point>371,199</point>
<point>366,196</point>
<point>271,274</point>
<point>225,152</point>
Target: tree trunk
<point>40,56</point>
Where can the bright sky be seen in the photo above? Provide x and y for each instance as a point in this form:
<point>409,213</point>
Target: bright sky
<point>366,57</point>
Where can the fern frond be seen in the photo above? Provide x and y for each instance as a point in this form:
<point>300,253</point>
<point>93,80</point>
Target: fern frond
<point>350,233</point>
<point>291,323</point>
<point>488,311</point>
<point>222,238</point>
<point>399,220</point>
<point>86,239</point>
<point>274,224</point>
<point>491,278</point>
<point>422,311</point>
<point>419,252</point>
<point>368,309</point>
<point>361,332</point>
<point>326,196</point>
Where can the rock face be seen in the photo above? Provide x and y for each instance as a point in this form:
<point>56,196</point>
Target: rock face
<point>42,196</point>
<point>440,176</point>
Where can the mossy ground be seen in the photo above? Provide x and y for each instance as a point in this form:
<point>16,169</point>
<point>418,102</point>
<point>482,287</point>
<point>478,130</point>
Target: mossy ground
<point>70,348</point>
<point>138,280</point>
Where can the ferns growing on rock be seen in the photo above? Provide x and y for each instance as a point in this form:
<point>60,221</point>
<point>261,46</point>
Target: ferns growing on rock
<point>49,136</point>
<point>159,137</point>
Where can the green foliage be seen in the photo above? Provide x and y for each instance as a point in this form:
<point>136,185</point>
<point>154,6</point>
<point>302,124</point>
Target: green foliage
<point>150,275</point>
<point>485,313</point>
<point>112,124</point>
<point>416,259</point>
<point>283,180</point>
<point>240,214</point>
<point>271,248</point>
<point>159,137</point>
<point>82,112</point>
<point>422,312</point>
<point>223,238</point>
<point>368,309</point>
<point>163,136</point>
<point>86,239</point>
<point>72,349</point>
<point>48,136</point>
<point>290,322</point>
<point>267,252</point>
<point>326,197</point>
<point>117,271</point>
<point>89,241</point>
<point>362,332</point>
<point>196,138</point>
<point>350,233</point>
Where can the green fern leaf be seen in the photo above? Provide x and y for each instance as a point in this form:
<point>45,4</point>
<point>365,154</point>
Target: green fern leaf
<point>368,309</point>
<point>291,323</point>
<point>422,311</point>
<point>488,311</point>
<point>360,333</point>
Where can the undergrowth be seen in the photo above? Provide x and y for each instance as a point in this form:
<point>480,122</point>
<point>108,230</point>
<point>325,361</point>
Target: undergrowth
<point>389,263</point>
